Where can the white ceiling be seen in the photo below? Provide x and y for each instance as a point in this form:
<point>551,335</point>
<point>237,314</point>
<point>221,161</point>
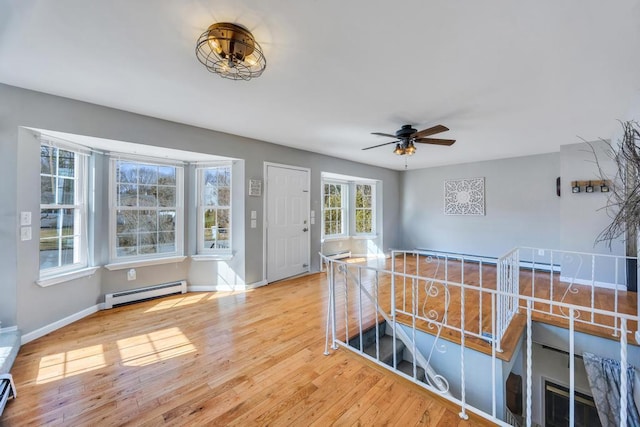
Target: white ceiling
<point>509,78</point>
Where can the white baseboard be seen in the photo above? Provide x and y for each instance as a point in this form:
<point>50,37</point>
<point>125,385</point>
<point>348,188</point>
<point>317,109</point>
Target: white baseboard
<point>8,329</point>
<point>606,285</point>
<point>225,288</point>
<point>60,323</point>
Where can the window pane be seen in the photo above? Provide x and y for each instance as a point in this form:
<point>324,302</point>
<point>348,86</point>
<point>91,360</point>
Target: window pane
<point>49,222</point>
<point>126,244</point>
<point>166,242</point>
<point>224,196</point>
<point>49,238</point>
<point>147,195</point>
<point>126,221</point>
<point>147,221</point>
<point>47,159</point>
<point>210,218</point>
<point>167,220</point>
<point>127,195</point>
<point>148,174</point>
<point>66,163</point>
<point>167,196</point>
<point>223,218</point>
<point>66,254</point>
<point>68,222</point>
<point>47,184</point>
<point>148,239</point>
<point>210,195</point>
<point>66,191</point>
<point>127,172</point>
<point>166,175</point>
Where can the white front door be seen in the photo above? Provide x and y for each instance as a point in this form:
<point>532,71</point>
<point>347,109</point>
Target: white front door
<point>287,222</point>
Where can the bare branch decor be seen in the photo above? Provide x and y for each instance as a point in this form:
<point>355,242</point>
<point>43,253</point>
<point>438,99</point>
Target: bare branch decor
<point>624,195</point>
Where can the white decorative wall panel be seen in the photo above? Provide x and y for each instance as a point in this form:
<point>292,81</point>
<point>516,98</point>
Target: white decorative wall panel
<point>464,196</point>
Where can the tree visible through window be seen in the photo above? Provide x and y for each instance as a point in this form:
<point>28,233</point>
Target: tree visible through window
<point>364,209</point>
<point>62,210</point>
<point>146,209</point>
<point>334,201</point>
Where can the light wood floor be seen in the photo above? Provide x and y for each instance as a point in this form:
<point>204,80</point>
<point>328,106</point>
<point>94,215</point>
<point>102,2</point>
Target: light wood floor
<point>251,358</point>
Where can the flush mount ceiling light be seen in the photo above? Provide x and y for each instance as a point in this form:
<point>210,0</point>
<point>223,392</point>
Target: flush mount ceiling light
<point>230,51</point>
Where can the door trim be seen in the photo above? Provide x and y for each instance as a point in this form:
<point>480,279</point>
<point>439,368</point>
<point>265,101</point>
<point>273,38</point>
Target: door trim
<point>265,218</point>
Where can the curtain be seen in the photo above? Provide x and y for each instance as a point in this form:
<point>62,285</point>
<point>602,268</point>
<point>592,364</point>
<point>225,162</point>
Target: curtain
<point>604,380</point>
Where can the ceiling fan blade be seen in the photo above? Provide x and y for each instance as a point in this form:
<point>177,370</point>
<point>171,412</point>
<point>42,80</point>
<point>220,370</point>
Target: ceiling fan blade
<point>376,146</point>
<point>435,141</point>
<point>430,131</point>
<point>383,134</point>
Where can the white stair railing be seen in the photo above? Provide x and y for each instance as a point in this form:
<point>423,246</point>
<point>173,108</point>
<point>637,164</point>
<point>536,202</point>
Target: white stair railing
<point>342,276</point>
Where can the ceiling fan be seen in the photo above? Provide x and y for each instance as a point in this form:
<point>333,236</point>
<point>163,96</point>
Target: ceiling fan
<point>407,136</point>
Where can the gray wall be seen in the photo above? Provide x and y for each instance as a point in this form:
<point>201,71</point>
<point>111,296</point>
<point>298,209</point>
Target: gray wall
<point>521,207</point>
<point>583,215</point>
<point>30,306</point>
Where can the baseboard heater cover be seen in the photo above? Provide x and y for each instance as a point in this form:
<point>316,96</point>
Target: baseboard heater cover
<point>140,294</point>
<point>340,255</point>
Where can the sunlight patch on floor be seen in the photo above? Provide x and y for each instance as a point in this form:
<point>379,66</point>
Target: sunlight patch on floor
<point>154,347</point>
<point>168,303</point>
<point>69,363</point>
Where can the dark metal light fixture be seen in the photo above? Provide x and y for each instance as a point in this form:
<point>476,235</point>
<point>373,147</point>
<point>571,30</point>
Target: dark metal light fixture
<point>411,149</point>
<point>398,150</point>
<point>589,188</point>
<point>230,51</point>
<point>575,187</point>
<point>604,188</point>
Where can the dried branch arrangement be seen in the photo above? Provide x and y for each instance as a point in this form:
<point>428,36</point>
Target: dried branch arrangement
<point>624,196</point>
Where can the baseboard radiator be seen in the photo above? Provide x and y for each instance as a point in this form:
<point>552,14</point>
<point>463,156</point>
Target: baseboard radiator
<point>140,294</point>
<point>340,255</point>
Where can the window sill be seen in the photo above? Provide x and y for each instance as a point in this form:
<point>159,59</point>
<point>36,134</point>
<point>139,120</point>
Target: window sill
<point>364,237</point>
<point>212,257</point>
<point>144,263</point>
<point>335,238</point>
<point>66,277</point>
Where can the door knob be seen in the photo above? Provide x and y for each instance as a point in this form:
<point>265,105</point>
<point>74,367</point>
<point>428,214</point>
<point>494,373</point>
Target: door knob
<point>305,229</point>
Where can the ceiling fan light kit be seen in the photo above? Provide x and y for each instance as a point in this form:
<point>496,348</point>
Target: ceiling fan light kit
<point>407,136</point>
<point>230,51</point>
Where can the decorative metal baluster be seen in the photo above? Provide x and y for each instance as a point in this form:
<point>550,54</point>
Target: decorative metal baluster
<point>623,372</point>
<point>493,355</point>
<point>326,342</point>
<point>593,287</point>
<point>346,303</point>
<point>463,412</point>
<point>615,298</point>
<point>377,290</point>
<point>551,281</point>
<point>481,309</point>
<point>360,308</point>
<point>334,333</point>
<point>572,368</point>
<point>529,367</point>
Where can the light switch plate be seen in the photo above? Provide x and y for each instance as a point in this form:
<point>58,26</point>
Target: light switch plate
<point>313,220</point>
<point>25,233</point>
<point>25,218</point>
<point>254,214</point>
<point>254,223</point>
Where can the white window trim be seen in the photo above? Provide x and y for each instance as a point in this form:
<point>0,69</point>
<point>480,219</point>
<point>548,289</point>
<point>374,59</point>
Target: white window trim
<point>144,262</point>
<point>117,263</point>
<point>344,208</point>
<point>51,275</point>
<point>203,253</point>
<point>66,277</point>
